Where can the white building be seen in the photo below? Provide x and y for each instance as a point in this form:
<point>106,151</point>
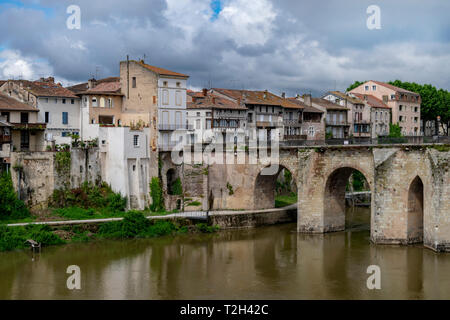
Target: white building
<point>125,161</point>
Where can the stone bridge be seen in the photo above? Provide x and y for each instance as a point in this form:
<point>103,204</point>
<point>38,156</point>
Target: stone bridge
<point>410,186</point>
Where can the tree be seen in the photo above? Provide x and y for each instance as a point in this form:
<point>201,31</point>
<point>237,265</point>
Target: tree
<point>10,205</point>
<point>354,85</point>
<point>395,131</point>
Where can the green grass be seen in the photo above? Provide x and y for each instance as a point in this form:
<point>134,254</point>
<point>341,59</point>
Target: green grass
<point>76,213</point>
<point>15,238</point>
<point>285,200</point>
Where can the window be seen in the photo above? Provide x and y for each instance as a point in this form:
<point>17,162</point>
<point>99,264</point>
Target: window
<point>416,109</point>
<point>45,100</point>
<point>165,84</point>
<point>178,98</point>
<point>64,101</point>
<point>134,82</point>
<point>178,84</point>
<point>56,100</point>
<point>366,88</point>
<point>102,102</point>
<point>47,117</point>
<point>85,101</point>
<point>208,114</point>
<point>110,103</point>
<point>94,102</point>
<point>72,101</point>
<point>136,140</point>
<point>208,123</point>
<point>392,96</point>
<point>374,88</point>
<point>198,114</point>
<point>165,97</point>
<point>197,124</point>
<point>65,134</point>
<point>65,118</point>
<point>24,117</point>
<point>400,118</point>
<point>311,131</point>
<point>400,107</point>
<point>6,115</point>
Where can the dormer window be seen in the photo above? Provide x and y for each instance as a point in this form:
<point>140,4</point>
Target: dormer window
<point>374,88</point>
<point>178,84</point>
<point>165,83</point>
<point>366,88</point>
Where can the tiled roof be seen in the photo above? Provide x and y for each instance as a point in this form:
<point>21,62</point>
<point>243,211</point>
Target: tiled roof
<point>45,89</point>
<point>328,104</point>
<point>10,104</point>
<point>390,86</point>
<point>2,82</point>
<point>257,97</point>
<point>212,101</point>
<point>81,87</point>
<point>104,88</point>
<point>161,71</point>
<point>372,100</point>
<point>305,107</point>
<point>346,96</point>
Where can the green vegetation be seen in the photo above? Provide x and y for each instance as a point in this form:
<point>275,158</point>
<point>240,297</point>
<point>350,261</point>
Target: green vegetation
<point>89,196</point>
<point>63,161</point>
<point>355,85</point>
<point>441,148</point>
<point>15,238</point>
<point>395,131</point>
<point>329,135</point>
<point>285,200</point>
<point>177,188</point>
<point>194,204</point>
<point>157,195</point>
<point>359,181</point>
<point>204,228</point>
<point>10,206</point>
<point>135,225</point>
<point>230,189</point>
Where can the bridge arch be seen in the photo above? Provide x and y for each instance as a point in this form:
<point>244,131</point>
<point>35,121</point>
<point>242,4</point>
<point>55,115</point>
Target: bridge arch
<point>334,206</point>
<point>265,187</point>
<point>415,216</point>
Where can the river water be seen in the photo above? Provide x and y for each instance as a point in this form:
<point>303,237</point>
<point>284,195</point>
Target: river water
<point>264,263</point>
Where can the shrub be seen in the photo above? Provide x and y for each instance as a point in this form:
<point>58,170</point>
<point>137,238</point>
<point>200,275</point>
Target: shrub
<point>10,206</point>
<point>133,224</point>
<point>177,188</point>
<point>204,228</point>
<point>16,237</point>
<point>116,202</point>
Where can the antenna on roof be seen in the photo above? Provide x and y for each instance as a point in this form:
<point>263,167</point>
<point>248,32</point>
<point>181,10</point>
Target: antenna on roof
<point>97,71</point>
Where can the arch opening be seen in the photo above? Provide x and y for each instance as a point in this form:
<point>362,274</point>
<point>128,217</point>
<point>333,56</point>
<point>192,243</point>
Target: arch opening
<point>415,211</point>
<point>173,182</point>
<point>347,200</point>
<point>275,191</point>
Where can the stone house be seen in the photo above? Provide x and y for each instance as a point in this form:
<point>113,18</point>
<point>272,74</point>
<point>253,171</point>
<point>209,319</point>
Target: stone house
<point>359,115</point>
<point>214,118</point>
<point>20,129</point>
<point>59,107</point>
<point>337,125</point>
<point>380,114</point>
<point>404,104</point>
<point>313,120</point>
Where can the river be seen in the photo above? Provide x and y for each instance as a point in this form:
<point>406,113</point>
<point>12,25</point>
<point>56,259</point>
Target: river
<point>265,263</point>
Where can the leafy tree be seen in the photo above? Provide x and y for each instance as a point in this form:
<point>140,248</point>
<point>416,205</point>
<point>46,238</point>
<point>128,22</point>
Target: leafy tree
<point>355,84</point>
<point>395,131</point>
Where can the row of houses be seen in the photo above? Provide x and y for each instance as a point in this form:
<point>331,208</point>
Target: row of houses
<point>146,110</point>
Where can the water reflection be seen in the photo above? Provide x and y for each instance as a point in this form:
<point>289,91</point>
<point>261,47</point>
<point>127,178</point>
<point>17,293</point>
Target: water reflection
<point>265,263</point>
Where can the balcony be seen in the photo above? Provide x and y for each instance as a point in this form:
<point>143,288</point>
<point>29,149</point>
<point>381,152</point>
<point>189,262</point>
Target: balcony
<point>336,123</point>
<point>173,127</point>
<point>269,124</point>
<point>292,122</point>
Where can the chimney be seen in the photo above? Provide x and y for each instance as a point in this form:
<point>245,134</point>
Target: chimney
<point>92,83</point>
<point>214,100</point>
<point>50,79</point>
<point>265,94</point>
<point>283,95</point>
<point>239,101</point>
<point>308,100</point>
<point>42,79</point>
<point>205,92</point>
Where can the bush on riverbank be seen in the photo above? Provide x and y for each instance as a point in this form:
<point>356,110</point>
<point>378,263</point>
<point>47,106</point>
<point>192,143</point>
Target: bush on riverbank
<point>15,238</point>
<point>10,206</point>
<point>101,198</point>
<point>136,225</point>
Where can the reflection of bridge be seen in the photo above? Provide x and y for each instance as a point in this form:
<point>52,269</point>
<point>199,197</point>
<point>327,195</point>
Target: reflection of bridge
<point>410,188</point>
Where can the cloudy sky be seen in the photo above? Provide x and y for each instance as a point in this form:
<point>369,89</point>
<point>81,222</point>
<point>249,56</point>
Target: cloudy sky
<point>292,46</point>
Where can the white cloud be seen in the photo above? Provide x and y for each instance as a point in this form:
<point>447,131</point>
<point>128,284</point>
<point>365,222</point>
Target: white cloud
<point>14,65</point>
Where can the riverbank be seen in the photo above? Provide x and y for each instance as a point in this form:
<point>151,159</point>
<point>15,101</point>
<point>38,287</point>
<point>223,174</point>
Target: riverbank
<point>135,224</point>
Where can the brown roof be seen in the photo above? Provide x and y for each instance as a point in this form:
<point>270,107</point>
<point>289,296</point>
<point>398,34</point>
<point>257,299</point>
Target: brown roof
<point>347,97</point>
<point>104,88</point>
<point>45,89</point>
<point>305,107</point>
<point>390,86</point>
<point>10,104</point>
<point>161,71</point>
<point>258,97</point>
<point>328,104</point>
<point>81,87</point>
<point>372,100</point>
<point>212,101</point>
<point>2,82</point>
